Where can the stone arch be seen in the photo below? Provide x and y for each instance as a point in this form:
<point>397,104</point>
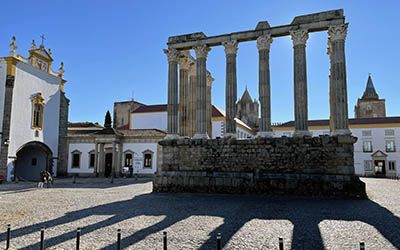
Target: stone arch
<point>32,158</point>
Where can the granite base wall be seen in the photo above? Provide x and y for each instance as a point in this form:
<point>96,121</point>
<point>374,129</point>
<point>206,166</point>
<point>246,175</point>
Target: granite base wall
<point>310,166</point>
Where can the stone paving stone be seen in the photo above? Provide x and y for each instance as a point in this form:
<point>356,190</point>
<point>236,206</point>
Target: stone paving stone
<point>193,220</point>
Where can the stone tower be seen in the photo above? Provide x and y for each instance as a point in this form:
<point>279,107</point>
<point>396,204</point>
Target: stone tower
<point>369,105</point>
<point>247,110</point>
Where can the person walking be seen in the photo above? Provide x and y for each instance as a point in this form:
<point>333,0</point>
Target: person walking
<point>42,179</point>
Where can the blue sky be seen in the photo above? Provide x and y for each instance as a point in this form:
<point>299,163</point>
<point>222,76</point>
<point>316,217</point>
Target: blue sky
<point>112,50</point>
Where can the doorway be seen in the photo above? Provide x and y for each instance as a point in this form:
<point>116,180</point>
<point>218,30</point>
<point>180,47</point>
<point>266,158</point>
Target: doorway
<point>380,168</point>
<point>108,165</point>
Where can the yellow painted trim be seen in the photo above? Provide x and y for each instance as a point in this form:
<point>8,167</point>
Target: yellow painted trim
<point>11,63</point>
<point>219,118</point>
<point>38,100</point>
<point>380,125</point>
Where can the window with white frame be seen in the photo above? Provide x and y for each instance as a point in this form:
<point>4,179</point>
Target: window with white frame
<point>76,159</point>
<point>366,133</point>
<point>368,165</point>
<point>147,159</point>
<point>367,146</point>
<point>128,158</point>
<point>390,146</point>
<point>392,165</point>
<point>389,132</point>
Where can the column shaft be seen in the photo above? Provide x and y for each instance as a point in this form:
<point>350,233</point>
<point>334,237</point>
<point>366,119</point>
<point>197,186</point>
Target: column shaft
<point>300,82</point>
<point>264,85</point>
<point>209,104</point>
<point>338,84</point>
<point>172,109</point>
<point>201,68</point>
<point>183,96</point>
<point>230,87</point>
<point>193,100</point>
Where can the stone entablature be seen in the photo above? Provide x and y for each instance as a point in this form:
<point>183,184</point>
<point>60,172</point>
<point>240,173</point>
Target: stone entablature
<point>263,165</point>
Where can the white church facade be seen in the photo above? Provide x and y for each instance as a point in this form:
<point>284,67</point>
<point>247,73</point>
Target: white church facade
<point>34,113</point>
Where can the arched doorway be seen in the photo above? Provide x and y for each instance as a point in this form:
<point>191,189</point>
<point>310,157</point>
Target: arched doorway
<point>32,158</point>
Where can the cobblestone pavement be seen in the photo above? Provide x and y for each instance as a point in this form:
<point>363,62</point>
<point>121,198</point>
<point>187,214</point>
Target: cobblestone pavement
<point>192,220</point>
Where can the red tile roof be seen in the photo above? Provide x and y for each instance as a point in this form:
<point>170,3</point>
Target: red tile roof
<point>352,121</point>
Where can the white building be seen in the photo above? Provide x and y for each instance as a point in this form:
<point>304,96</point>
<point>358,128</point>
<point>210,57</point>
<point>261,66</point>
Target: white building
<point>94,150</point>
<point>33,114</point>
<point>375,152</point>
<point>155,117</point>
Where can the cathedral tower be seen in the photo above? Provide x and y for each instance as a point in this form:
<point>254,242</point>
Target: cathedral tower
<point>247,110</point>
<point>369,105</point>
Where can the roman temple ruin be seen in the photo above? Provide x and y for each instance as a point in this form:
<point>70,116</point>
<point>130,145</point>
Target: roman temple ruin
<point>301,164</point>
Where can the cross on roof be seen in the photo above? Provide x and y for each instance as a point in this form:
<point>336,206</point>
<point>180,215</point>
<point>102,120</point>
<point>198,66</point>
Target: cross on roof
<point>43,38</point>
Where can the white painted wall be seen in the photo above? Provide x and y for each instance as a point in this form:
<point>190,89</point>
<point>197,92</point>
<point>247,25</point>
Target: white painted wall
<point>29,81</point>
<point>156,120</point>
<point>217,129</point>
<point>378,139</point>
<point>138,149</point>
<point>84,148</point>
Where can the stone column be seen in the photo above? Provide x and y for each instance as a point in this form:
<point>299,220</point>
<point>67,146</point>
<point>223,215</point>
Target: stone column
<point>193,99</point>
<point>100,169</point>
<point>210,80</point>
<point>201,68</point>
<point>172,124</point>
<point>184,64</point>
<point>264,85</point>
<point>114,159</point>
<point>299,38</point>
<point>231,48</point>
<point>338,85</point>
<point>96,158</point>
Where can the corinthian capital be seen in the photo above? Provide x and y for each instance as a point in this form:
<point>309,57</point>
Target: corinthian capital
<point>184,62</point>
<point>231,47</point>
<point>299,37</point>
<point>172,54</point>
<point>201,51</point>
<point>264,42</point>
<point>337,32</point>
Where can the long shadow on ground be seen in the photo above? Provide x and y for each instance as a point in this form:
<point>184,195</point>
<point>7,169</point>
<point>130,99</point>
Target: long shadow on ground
<point>304,214</point>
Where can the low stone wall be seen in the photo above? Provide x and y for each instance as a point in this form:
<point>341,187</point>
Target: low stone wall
<point>321,165</point>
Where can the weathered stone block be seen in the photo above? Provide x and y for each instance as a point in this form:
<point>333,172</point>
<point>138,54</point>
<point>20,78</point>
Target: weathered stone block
<point>304,166</point>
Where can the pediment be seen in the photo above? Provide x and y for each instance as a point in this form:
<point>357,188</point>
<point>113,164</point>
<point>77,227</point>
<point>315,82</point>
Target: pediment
<point>42,54</point>
<point>379,153</point>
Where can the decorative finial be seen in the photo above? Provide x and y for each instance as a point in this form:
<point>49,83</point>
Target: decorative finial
<point>43,38</point>
<point>369,74</point>
<point>61,70</point>
<point>33,45</point>
<point>50,52</point>
<point>13,46</point>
